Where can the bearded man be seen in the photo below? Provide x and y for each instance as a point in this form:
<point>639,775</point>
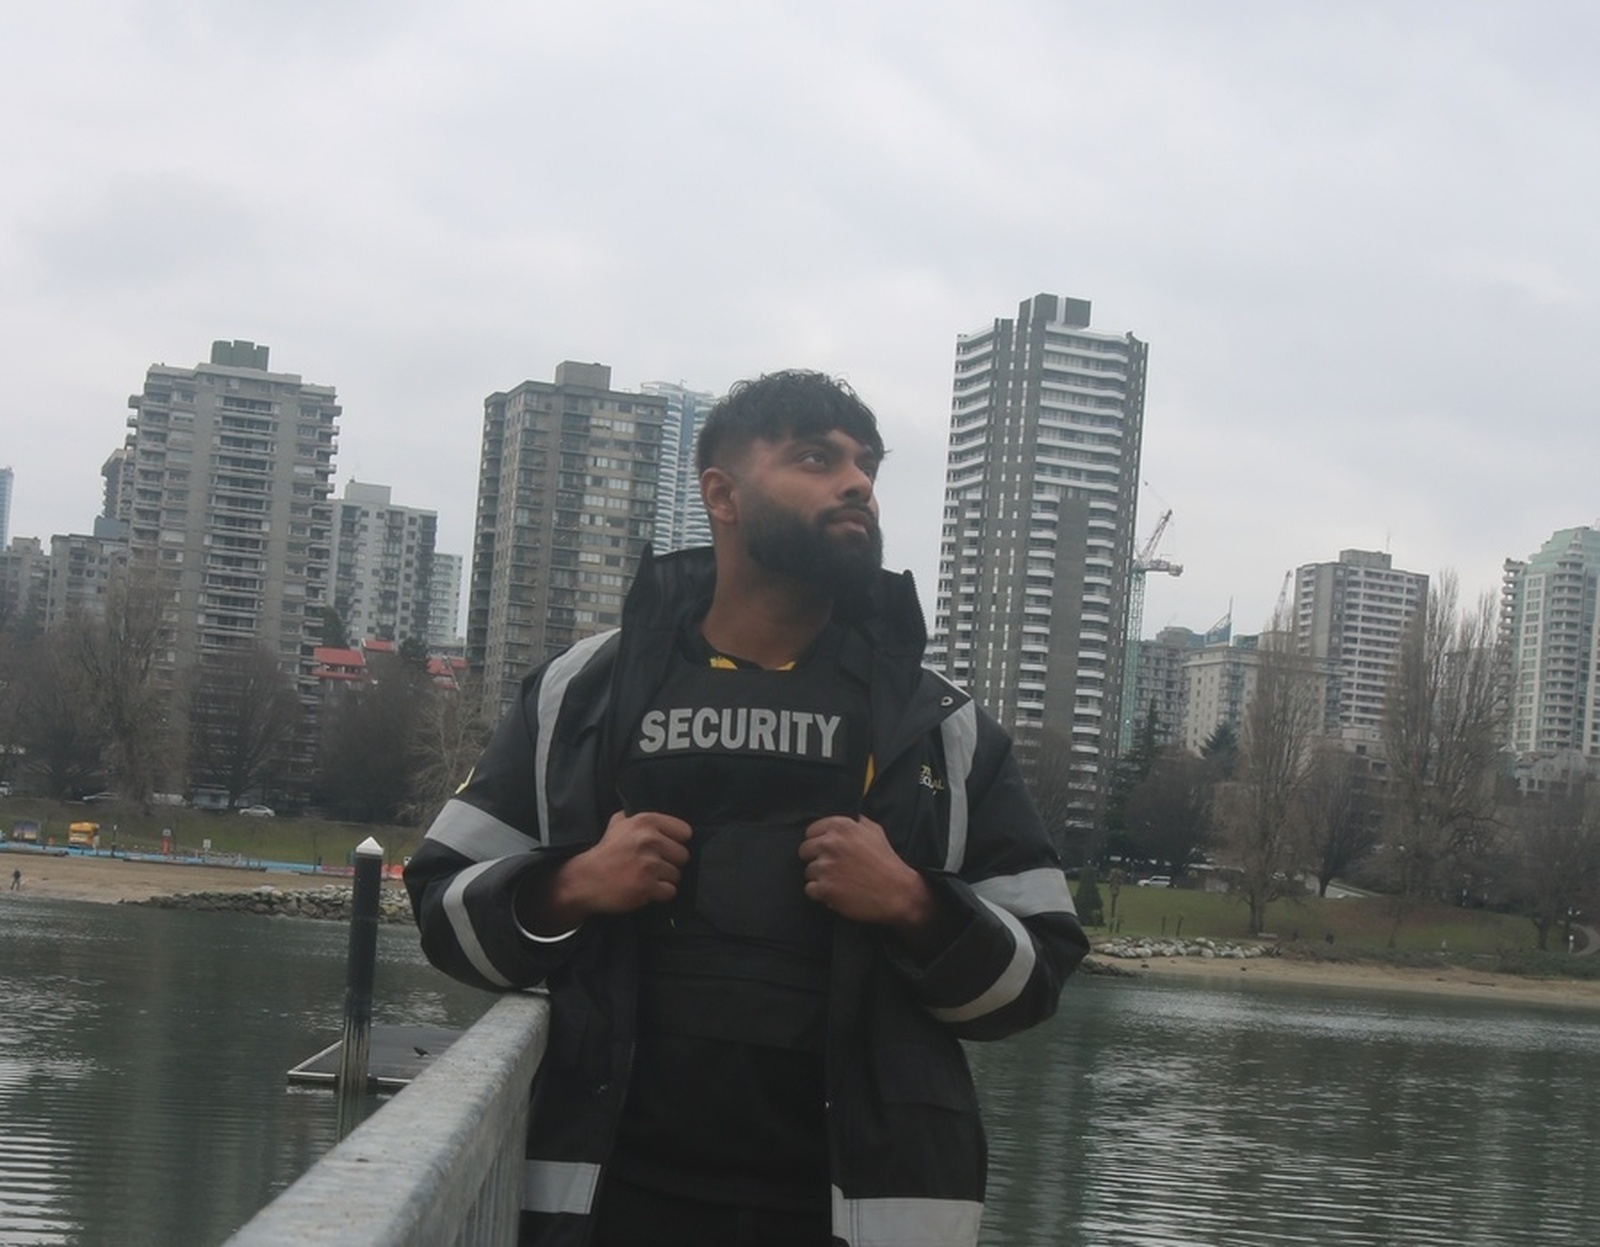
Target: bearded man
<point>770,870</point>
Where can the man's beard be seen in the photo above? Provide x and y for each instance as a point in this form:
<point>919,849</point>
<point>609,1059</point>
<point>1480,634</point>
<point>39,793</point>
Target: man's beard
<point>783,542</point>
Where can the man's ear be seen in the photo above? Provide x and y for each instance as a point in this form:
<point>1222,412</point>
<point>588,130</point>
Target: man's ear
<point>717,489</point>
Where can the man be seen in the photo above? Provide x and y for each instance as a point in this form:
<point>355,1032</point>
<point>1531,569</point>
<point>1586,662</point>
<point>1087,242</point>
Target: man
<point>770,870</point>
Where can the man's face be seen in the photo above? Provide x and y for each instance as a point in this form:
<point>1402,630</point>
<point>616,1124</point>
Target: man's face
<point>808,511</point>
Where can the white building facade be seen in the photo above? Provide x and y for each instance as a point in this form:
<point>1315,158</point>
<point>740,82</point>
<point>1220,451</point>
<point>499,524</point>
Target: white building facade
<point>383,565</point>
<point>1351,615</point>
<point>1552,646</point>
<point>681,519</point>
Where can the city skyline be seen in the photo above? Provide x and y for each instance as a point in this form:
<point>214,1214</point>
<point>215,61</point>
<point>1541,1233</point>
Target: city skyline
<point>1356,234</point>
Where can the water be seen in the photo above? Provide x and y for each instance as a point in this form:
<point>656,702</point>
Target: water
<point>143,1101</point>
<point>143,1053</point>
<point>1176,1114</point>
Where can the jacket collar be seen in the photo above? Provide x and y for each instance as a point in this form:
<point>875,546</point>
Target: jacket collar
<point>669,587</point>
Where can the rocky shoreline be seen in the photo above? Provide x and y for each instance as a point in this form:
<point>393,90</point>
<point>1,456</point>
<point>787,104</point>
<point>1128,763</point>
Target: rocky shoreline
<point>1130,949</point>
<point>330,903</point>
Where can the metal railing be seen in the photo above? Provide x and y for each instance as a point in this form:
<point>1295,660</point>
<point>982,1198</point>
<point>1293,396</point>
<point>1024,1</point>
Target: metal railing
<point>440,1165</point>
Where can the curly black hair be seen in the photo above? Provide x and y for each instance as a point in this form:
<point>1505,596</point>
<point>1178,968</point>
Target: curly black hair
<point>794,403</point>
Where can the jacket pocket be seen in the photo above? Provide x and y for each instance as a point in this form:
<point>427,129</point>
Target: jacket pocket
<point>926,1073</point>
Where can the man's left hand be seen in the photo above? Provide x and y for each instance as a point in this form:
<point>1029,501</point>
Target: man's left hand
<point>853,870</point>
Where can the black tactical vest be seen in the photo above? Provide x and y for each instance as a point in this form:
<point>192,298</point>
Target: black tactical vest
<point>748,758</point>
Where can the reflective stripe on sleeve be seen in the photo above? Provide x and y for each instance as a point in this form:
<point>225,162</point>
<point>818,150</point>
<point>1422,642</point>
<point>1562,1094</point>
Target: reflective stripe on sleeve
<point>1041,891</point>
<point>455,910</point>
<point>552,692</point>
<point>1013,979</point>
<point>905,1221</point>
<point>472,833</point>
<point>959,734</point>
<point>553,1186</point>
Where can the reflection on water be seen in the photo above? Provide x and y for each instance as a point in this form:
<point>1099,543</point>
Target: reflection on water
<point>143,1100</point>
<point>1180,1114</point>
<point>142,1062</point>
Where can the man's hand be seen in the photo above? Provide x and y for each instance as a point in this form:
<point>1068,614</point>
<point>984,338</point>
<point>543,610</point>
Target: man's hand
<point>853,870</point>
<point>637,862</point>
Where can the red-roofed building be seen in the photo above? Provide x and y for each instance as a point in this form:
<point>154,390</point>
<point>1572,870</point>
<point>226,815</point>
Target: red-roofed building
<point>339,666</point>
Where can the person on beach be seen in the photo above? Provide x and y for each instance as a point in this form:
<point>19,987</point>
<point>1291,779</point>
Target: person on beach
<point>16,880</point>
<point>770,869</point>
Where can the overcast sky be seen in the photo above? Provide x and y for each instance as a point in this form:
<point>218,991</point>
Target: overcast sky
<point>1360,238</point>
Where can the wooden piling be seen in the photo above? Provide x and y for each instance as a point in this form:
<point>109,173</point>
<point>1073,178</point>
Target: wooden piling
<point>363,958</point>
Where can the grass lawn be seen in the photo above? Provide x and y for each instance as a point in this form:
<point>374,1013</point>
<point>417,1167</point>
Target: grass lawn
<point>1360,927</point>
<point>305,840</point>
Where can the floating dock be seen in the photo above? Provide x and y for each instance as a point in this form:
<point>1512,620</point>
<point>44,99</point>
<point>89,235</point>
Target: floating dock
<point>398,1054</point>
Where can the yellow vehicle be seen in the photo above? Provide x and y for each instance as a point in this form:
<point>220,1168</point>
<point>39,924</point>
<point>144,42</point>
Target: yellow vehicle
<point>83,836</point>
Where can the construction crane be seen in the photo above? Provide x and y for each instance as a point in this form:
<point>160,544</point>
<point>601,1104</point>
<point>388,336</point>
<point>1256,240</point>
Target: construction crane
<point>1144,562</point>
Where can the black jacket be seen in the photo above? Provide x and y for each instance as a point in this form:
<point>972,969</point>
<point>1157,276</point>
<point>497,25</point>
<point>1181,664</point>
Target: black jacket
<point>907,1148</point>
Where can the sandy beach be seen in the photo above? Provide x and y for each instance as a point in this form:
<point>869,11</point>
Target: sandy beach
<point>1447,981</point>
<point>111,879</point>
<point>108,880</point>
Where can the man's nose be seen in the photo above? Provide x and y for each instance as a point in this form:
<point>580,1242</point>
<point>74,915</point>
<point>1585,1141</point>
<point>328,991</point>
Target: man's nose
<point>857,483</point>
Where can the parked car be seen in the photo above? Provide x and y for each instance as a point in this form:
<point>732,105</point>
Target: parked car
<point>5,789</point>
<point>256,811</point>
<point>1156,881</point>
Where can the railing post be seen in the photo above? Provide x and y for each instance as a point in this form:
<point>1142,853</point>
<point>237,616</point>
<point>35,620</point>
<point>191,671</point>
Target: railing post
<point>355,1049</point>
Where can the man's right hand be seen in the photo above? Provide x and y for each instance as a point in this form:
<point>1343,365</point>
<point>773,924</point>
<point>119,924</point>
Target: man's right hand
<point>637,862</point>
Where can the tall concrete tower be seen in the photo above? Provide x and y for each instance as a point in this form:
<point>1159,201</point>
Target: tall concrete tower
<point>566,501</point>
<point>6,480</point>
<point>1549,610</point>
<point>681,519</point>
<point>383,564</point>
<point>1351,614</point>
<point>224,484</point>
<point>1037,545</point>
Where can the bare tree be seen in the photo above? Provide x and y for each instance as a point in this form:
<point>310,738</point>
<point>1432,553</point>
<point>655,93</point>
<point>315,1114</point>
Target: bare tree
<point>1339,813</point>
<point>451,731</point>
<point>1064,804</point>
<point>54,719</point>
<point>1257,811</point>
<point>1443,725</point>
<point>1553,856</point>
<point>243,712</point>
<point>117,654</point>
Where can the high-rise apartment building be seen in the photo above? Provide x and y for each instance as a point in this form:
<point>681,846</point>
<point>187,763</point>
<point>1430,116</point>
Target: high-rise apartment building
<point>7,480</point>
<point>24,586</point>
<point>1037,544</point>
<point>1160,685</point>
<point>383,564</point>
<point>1552,645</point>
<point>1351,614</point>
<point>444,604</point>
<point>1219,682</point>
<point>681,519</point>
<point>82,568</point>
<point>567,486</point>
<point>225,487</point>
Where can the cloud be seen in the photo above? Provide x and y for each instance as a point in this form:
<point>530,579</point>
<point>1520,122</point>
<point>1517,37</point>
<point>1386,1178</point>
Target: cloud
<point>1358,238</point>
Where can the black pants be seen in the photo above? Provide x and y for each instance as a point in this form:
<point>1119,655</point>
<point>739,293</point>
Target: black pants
<point>630,1216</point>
